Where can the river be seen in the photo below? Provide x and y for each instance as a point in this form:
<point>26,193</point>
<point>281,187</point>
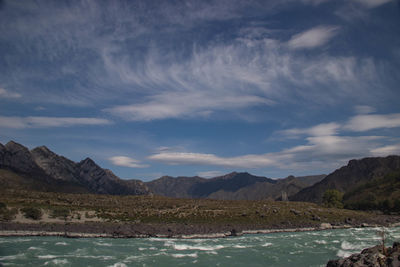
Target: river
<point>278,249</point>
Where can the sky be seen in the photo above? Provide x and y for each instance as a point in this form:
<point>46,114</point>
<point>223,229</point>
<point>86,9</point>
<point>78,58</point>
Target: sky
<point>183,88</point>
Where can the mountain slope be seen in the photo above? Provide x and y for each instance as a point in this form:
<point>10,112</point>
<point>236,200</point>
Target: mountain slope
<point>44,170</point>
<point>377,194</point>
<point>349,177</point>
<point>179,187</point>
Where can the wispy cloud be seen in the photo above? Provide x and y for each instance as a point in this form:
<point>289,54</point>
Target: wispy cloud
<point>245,161</point>
<point>210,174</point>
<point>127,162</point>
<point>324,144</point>
<point>46,122</point>
<point>358,123</point>
<point>324,129</point>
<point>6,94</point>
<point>372,3</point>
<point>312,38</point>
<point>363,123</point>
<point>387,150</point>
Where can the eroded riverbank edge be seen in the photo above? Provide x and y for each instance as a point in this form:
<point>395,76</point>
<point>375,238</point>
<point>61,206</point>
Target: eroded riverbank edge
<point>175,231</point>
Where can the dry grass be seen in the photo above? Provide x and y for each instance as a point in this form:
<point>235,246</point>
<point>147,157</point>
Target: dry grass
<point>156,209</point>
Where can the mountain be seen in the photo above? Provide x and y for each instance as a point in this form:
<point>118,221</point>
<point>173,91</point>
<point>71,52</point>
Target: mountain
<point>42,169</point>
<point>233,186</point>
<point>179,187</point>
<point>349,177</point>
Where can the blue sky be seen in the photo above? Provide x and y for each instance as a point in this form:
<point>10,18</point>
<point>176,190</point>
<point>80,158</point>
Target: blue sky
<point>152,88</point>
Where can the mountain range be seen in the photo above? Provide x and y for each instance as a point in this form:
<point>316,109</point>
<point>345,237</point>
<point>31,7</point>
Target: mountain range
<point>232,186</point>
<point>43,170</point>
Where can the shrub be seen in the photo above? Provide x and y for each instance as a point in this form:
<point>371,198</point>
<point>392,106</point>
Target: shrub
<point>32,213</point>
<point>333,198</point>
<point>60,213</point>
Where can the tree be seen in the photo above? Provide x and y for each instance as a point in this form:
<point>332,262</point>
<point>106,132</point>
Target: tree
<point>333,198</point>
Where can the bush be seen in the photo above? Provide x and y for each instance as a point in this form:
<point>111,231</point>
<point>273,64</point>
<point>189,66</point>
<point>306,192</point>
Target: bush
<point>3,206</point>
<point>32,213</point>
<point>60,213</point>
<point>333,198</point>
<point>7,214</point>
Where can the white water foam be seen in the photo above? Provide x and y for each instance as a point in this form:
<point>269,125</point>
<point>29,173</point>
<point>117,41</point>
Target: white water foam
<point>189,247</point>
<point>118,264</point>
<point>267,244</point>
<point>61,244</point>
<point>241,246</point>
<point>34,248</point>
<point>103,244</point>
<point>322,242</point>
<point>343,254</point>
<point>57,262</point>
<point>12,257</point>
<point>192,255</point>
<point>47,256</point>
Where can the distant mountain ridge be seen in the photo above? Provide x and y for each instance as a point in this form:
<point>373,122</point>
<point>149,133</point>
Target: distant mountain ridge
<point>232,186</point>
<point>45,170</point>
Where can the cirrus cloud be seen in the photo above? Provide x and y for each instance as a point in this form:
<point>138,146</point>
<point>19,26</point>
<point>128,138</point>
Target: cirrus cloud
<point>16,122</point>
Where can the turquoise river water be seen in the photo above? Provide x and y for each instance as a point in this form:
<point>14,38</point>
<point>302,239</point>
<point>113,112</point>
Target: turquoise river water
<point>278,249</point>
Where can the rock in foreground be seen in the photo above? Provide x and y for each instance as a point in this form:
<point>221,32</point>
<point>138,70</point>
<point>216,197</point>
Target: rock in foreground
<point>371,257</point>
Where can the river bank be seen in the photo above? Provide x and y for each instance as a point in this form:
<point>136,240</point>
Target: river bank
<point>182,231</point>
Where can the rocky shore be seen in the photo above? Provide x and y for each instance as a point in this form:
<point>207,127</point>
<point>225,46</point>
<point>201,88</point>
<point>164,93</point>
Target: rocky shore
<point>374,256</point>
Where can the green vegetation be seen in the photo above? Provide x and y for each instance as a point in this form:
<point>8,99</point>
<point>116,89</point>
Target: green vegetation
<point>32,213</point>
<point>60,212</point>
<point>379,194</point>
<point>7,214</point>
<point>333,199</point>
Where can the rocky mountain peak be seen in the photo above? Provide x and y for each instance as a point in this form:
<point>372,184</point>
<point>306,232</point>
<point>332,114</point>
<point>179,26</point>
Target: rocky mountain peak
<point>18,157</point>
<point>15,147</point>
<point>43,149</point>
<point>88,162</point>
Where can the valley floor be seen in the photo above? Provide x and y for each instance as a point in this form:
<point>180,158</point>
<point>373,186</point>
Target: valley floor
<point>80,215</point>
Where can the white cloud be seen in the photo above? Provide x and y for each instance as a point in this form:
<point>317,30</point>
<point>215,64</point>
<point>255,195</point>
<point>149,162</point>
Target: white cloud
<point>362,123</point>
<point>5,94</point>
<point>323,129</point>
<point>44,122</point>
<point>174,105</point>
<point>373,3</point>
<point>312,38</point>
<point>210,174</point>
<point>386,150</point>
<point>245,161</point>
<point>127,162</point>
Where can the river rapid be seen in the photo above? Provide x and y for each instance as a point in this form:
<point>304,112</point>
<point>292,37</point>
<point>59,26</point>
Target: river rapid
<point>313,248</point>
